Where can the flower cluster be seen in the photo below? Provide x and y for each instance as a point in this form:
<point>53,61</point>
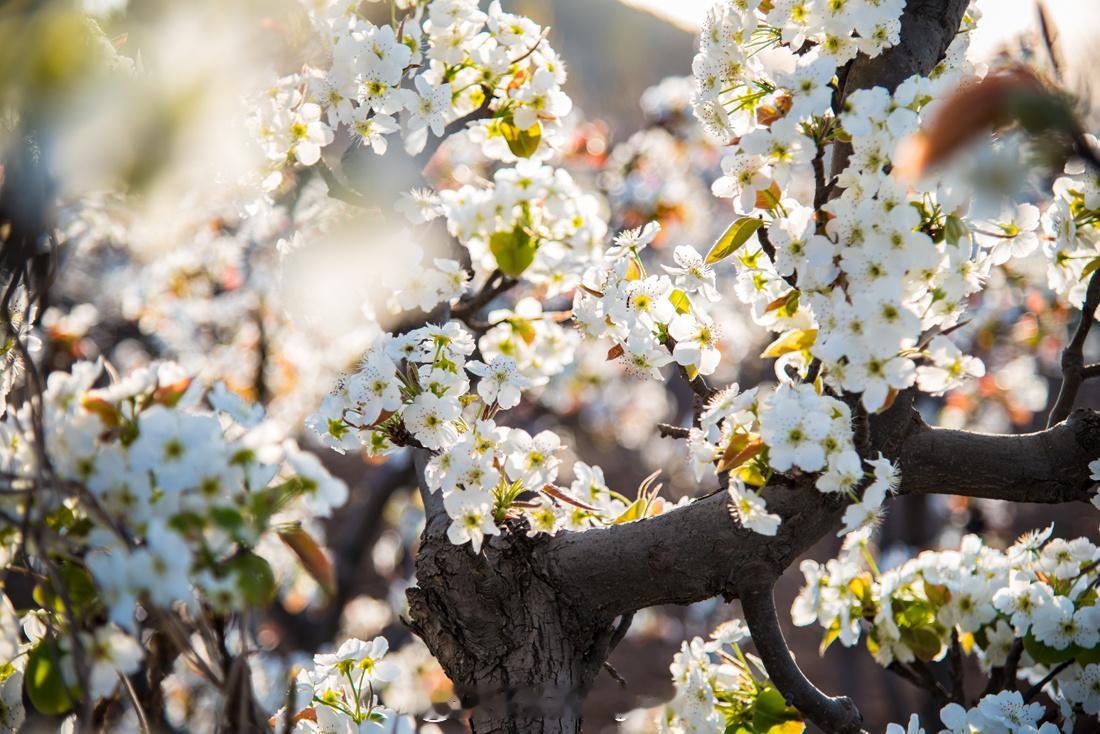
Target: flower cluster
<point>339,692</point>
<point>1003,712</point>
<point>439,62</point>
<point>415,390</point>
<point>150,499</point>
<point>853,281</point>
<point>1072,244</point>
<point>795,429</point>
<point>534,220</point>
<point>652,320</point>
<point>1039,591</point>
<point>812,433</point>
<point>721,688</point>
<point>749,66</point>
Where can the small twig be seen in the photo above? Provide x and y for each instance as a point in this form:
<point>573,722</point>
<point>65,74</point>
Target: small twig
<point>143,722</point>
<point>1036,689</point>
<point>496,284</point>
<point>1073,361</point>
<point>614,674</point>
<point>482,112</point>
<point>769,250</point>
<point>542,37</point>
<point>620,631</point>
<point>1004,677</point>
<point>668,430</point>
<point>341,191</point>
<point>958,673</point>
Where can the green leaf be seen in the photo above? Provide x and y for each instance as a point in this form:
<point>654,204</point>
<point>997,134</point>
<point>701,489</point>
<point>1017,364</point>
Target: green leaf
<point>1090,268</point>
<point>771,714</point>
<point>514,251</point>
<point>735,235</point>
<point>792,341</point>
<point>522,143</point>
<point>636,511</point>
<point>45,686</point>
<point>954,230</point>
<point>923,641</point>
<point>78,585</point>
<point>1047,655</point>
<point>830,636</point>
<point>256,579</point>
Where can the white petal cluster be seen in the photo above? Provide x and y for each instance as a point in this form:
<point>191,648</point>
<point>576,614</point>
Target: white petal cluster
<point>1038,591</point>
<point>437,63</point>
<point>415,390</point>
<point>338,692</point>
<point>534,220</point>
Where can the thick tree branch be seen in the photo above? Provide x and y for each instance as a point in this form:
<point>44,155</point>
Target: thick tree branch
<point>834,715</point>
<point>1073,359</point>
<point>1049,466</point>
<point>689,554</point>
<point>696,552</point>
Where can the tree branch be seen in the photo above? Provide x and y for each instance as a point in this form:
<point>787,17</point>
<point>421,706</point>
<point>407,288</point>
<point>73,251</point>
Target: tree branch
<point>696,552</point>
<point>692,553</point>
<point>1073,360</point>
<point>1049,466</point>
<point>834,715</point>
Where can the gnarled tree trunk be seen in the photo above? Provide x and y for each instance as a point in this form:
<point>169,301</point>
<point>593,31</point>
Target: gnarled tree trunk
<point>519,652</point>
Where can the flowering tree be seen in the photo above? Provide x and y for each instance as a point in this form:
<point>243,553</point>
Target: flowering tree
<point>156,517</point>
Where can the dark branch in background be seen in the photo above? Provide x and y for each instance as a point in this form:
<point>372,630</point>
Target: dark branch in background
<point>1073,360</point>
<point>1036,689</point>
<point>28,256</point>
<point>834,715</point>
<point>496,284</point>
<point>958,672</point>
<point>341,191</point>
<point>670,431</point>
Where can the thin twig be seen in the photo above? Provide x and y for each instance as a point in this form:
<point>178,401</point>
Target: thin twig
<point>143,722</point>
<point>1073,361</point>
<point>667,430</point>
<point>1036,689</point>
<point>496,284</point>
<point>341,191</point>
<point>958,673</point>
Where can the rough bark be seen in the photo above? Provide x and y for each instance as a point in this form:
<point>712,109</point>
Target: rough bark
<point>521,653</point>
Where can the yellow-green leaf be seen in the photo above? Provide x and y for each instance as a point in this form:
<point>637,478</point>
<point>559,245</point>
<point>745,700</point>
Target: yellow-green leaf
<point>680,301</point>
<point>522,143</point>
<point>255,578</point>
<point>514,251</point>
<point>45,686</point>
<point>1090,268</point>
<point>735,235</point>
<point>636,511</point>
<point>792,341</point>
<point>750,475</point>
<point>741,448</point>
